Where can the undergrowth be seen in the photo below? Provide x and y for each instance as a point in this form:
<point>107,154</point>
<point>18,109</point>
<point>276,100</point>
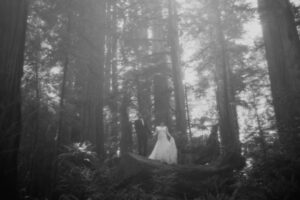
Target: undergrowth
<point>83,177</point>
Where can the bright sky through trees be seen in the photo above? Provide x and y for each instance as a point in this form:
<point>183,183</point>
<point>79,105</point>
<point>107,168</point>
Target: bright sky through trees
<point>252,32</point>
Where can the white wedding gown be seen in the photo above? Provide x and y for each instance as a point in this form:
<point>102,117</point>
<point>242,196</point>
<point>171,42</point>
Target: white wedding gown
<point>164,150</point>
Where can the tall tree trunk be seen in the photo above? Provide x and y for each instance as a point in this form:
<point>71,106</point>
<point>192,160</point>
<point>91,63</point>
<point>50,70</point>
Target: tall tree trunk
<point>92,111</point>
<point>261,133</point>
<point>143,82</point>
<point>161,89</point>
<point>181,124</point>
<point>64,138</point>
<point>93,127</point>
<point>126,130</point>
<point>229,130</point>
<point>13,15</point>
<point>36,186</point>
<point>114,92</point>
<point>283,57</point>
<point>109,49</point>
<point>188,112</point>
<point>144,99</point>
<point>161,94</point>
<point>114,107</point>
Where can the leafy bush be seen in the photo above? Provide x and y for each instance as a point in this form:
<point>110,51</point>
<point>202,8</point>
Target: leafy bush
<point>278,176</point>
<point>79,170</point>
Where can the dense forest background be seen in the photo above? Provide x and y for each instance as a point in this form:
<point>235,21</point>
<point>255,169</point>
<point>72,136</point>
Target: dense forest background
<point>223,74</point>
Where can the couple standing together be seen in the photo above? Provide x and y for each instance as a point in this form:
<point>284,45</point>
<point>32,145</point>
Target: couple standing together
<point>165,149</point>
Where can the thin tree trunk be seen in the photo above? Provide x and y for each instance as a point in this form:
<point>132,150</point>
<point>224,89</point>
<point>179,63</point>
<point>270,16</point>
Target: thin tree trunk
<point>13,15</point>
<point>62,135</point>
<point>109,50</point>
<point>114,107</point>
<point>114,94</point>
<point>144,99</point>
<point>100,10</point>
<point>126,130</point>
<point>188,112</point>
<point>36,186</point>
<point>283,57</point>
<point>64,138</point>
<point>143,82</point>
<point>262,140</point>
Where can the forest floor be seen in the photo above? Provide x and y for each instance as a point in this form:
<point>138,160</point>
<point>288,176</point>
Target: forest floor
<point>135,177</point>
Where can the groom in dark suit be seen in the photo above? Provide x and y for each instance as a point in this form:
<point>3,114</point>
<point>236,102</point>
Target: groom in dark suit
<point>142,132</point>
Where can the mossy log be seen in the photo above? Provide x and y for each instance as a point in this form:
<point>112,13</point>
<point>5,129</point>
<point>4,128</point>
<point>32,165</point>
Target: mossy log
<point>132,164</point>
<point>178,180</point>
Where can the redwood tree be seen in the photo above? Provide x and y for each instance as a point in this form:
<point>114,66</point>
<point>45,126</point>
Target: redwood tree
<point>161,90</point>
<point>12,38</point>
<point>126,129</point>
<point>93,41</point>
<point>176,68</point>
<point>283,56</point>
<point>229,130</point>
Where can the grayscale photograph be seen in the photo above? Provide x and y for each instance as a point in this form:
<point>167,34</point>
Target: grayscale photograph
<point>150,99</point>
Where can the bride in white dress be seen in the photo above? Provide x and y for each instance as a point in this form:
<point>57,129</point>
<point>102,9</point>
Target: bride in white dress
<point>165,149</point>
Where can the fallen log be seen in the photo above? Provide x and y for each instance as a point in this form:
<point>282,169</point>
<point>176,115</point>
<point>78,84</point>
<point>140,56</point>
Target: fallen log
<point>178,180</point>
<point>132,164</point>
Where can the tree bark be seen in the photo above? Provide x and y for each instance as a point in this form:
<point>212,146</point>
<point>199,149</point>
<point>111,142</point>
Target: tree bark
<point>109,50</point>
<point>186,181</point>
<point>261,133</point>
<point>161,93</point>
<point>64,138</point>
<point>36,188</point>
<point>132,164</point>
<point>126,129</point>
<point>283,57</point>
<point>143,82</point>
<point>229,130</point>
<point>13,15</point>
<point>93,127</point>
<point>144,99</point>
<point>161,89</point>
<point>114,76</point>
<point>180,113</point>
